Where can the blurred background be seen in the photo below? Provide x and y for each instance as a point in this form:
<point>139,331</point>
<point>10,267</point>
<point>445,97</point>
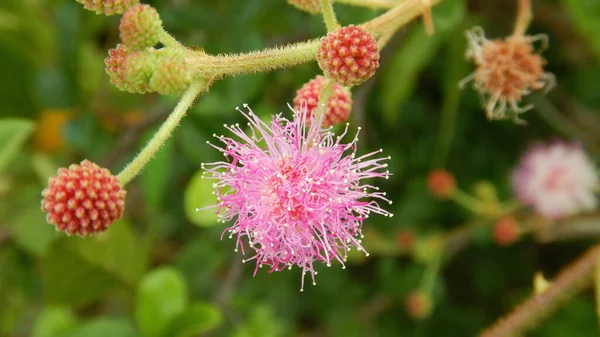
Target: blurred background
<point>163,270</point>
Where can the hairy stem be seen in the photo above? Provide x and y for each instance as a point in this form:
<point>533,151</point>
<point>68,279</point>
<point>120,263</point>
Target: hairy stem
<point>163,133</point>
<point>266,60</point>
<point>398,16</point>
<point>375,4</point>
<point>329,15</point>
<point>524,17</point>
<point>324,96</point>
<point>168,40</point>
<point>211,66</point>
<point>538,306</point>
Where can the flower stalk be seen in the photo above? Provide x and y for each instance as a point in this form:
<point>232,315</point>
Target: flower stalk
<point>572,279</point>
<point>524,17</point>
<point>329,15</point>
<point>163,133</point>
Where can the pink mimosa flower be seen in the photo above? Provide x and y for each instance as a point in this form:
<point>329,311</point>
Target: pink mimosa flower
<point>295,191</point>
<point>557,180</point>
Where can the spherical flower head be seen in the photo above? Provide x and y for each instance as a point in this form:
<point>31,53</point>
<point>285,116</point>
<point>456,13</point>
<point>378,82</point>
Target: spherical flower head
<point>107,7</point>
<point>296,192</point>
<point>130,71</point>
<point>349,55</point>
<point>173,73</point>
<point>441,184</point>
<point>140,27</point>
<point>83,199</point>
<point>419,305</point>
<point>506,231</point>
<point>506,70</point>
<point>310,6</point>
<point>338,107</point>
<point>556,180</point>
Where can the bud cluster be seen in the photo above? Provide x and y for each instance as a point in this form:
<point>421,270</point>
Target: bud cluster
<point>107,7</point>
<point>136,66</point>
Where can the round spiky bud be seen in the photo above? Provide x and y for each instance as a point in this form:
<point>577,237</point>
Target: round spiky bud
<point>107,7</point>
<point>310,6</point>
<point>140,27</point>
<point>419,305</point>
<point>338,107</point>
<point>406,240</point>
<point>83,199</point>
<point>130,71</point>
<point>506,231</point>
<point>349,55</point>
<point>441,184</point>
<point>173,74</point>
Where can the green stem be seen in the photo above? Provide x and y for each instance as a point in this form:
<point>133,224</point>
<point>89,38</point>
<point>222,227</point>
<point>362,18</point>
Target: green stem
<point>397,16</point>
<point>467,201</point>
<point>138,163</point>
<point>324,96</point>
<point>209,66</point>
<point>540,306</point>
<point>430,275</point>
<point>375,4</point>
<point>168,40</point>
<point>329,15</point>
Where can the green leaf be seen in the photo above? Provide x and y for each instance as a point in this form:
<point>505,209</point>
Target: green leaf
<point>195,320</point>
<point>262,322</point>
<point>584,16</point>
<point>31,231</point>
<point>13,134</point>
<point>104,327</point>
<point>53,322</point>
<point>198,194</point>
<point>77,271</point>
<point>162,295</point>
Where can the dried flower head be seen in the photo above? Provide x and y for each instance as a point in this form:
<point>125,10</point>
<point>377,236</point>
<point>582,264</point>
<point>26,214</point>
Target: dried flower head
<point>140,27</point>
<point>107,7</point>
<point>338,107</point>
<point>83,199</point>
<point>310,6</point>
<point>557,180</point>
<point>506,70</point>
<point>349,55</point>
<point>296,192</point>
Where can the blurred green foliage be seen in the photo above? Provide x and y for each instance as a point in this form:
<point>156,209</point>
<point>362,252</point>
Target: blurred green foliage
<point>164,271</point>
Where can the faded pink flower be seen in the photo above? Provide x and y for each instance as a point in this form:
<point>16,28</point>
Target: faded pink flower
<point>295,191</point>
<point>557,180</point>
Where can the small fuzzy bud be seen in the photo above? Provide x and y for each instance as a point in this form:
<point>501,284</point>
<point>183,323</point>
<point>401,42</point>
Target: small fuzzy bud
<point>140,27</point>
<point>338,107</point>
<point>349,55</point>
<point>173,74</point>
<point>506,231</point>
<point>83,199</point>
<point>130,71</point>
<point>310,6</point>
<point>419,305</point>
<point>405,240</point>
<point>441,184</point>
<point>107,7</point>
